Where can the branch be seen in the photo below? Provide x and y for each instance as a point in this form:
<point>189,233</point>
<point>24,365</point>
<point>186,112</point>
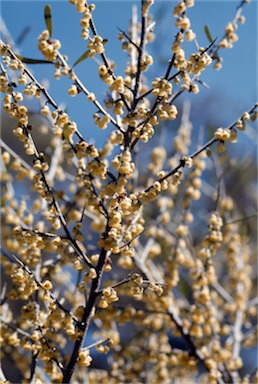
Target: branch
<point>86,318</point>
<point>87,92</point>
<point>198,151</point>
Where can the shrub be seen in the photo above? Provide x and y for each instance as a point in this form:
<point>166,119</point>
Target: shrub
<point>135,243</point>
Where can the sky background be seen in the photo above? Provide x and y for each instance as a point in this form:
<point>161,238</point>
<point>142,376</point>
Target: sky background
<point>232,89</point>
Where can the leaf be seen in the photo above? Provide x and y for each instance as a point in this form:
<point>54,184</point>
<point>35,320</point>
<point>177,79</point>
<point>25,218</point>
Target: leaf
<point>82,57</point>
<point>207,33</point>
<point>28,60</point>
<point>48,19</point>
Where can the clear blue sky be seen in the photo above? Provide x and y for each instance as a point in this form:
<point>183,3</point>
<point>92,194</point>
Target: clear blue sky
<point>232,90</point>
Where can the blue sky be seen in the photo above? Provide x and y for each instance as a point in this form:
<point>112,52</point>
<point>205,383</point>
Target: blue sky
<point>232,89</point>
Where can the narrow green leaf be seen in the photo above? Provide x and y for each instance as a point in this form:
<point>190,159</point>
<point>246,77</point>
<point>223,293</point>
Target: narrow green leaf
<point>48,19</point>
<point>82,57</point>
<point>207,33</point>
<point>28,60</point>
<point>104,41</point>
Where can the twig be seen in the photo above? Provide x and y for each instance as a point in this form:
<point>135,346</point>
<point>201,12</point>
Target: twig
<point>86,92</point>
<point>129,39</point>
<point>252,302</point>
<point>215,48</point>
<point>105,61</point>
<point>198,151</point>
<point>241,219</point>
<point>222,292</point>
<point>93,345</point>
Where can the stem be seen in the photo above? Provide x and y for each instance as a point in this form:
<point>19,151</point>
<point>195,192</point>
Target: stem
<point>84,325</point>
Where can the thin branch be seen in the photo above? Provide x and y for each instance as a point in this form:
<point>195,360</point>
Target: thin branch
<point>87,92</point>
<point>215,48</point>
<point>198,151</point>
<point>252,302</point>
<point>140,55</point>
<point>97,343</point>
<point>240,220</point>
<point>222,292</point>
<point>15,328</point>
<point>129,39</point>
<point>105,61</point>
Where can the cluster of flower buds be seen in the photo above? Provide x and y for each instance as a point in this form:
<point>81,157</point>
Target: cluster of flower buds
<point>197,62</point>
<point>95,45</point>
<point>161,88</point>
<point>48,47</point>
<point>123,164</point>
<point>109,295</point>
<point>85,20</point>
<point>84,358</point>
<point>231,36</point>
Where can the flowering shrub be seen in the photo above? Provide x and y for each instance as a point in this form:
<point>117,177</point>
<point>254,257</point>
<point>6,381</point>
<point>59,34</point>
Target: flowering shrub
<point>101,243</point>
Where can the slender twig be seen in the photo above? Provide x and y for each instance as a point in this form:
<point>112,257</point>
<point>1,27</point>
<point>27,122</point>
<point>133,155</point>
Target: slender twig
<point>3,297</point>
<point>57,207</point>
<point>87,92</point>
<point>252,302</point>
<point>222,292</point>
<point>105,61</point>
<point>96,344</point>
<point>215,48</point>
<point>198,151</point>
<point>15,328</point>
<point>130,40</point>
<point>141,50</point>
<point>240,220</point>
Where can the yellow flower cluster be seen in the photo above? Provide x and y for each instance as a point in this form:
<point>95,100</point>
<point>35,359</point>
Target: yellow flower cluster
<point>95,45</point>
<point>108,296</point>
<point>84,359</point>
<point>48,47</point>
<point>97,168</point>
<point>101,122</point>
<point>167,111</point>
<point>161,88</point>
<point>123,164</point>
<point>215,237</point>
<point>26,285</point>
<point>73,90</point>
<point>231,36</point>
<point>104,74</point>
<point>222,134</point>
<point>183,22</point>
<point>180,8</point>
<point>85,20</point>
<point>117,85</point>
<point>198,62</point>
<point>29,246</point>
<point>146,61</point>
<point>158,157</point>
